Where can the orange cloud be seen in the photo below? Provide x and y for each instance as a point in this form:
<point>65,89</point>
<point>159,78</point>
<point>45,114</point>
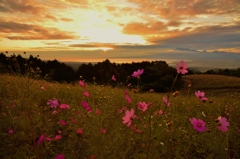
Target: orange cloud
<point>19,31</point>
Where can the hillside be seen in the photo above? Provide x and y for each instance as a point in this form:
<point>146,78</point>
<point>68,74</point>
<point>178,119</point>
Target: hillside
<point>212,83</point>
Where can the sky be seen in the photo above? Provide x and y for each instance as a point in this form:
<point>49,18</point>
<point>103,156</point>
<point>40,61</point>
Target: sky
<point>202,32</point>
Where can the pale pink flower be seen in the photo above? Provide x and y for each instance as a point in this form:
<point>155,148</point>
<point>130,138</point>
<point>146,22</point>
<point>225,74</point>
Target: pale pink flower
<point>138,73</point>
<point>129,85</point>
<point>165,100</point>
<point>86,94</point>
<point>62,122</point>
<point>201,95</point>
<point>129,115</point>
<point>81,83</point>
<point>79,131</point>
<point>42,88</point>
<point>142,106</point>
<point>59,156</point>
<point>58,137</point>
<point>182,67</point>
<point>222,124</point>
<point>113,78</point>
<point>64,106</point>
<point>198,124</point>
<point>40,140</point>
<point>160,112</point>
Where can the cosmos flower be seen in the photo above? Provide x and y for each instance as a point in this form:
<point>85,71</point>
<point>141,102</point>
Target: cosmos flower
<point>113,78</point>
<point>182,68</point>
<point>198,124</point>
<point>137,73</point>
<point>222,124</point>
<point>59,156</point>
<point>79,131</point>
<point>62,122</point>
<point>86,106</point>
<point>81,83</point>
<point>129,115</point>
<point>10,131</point>
<point>165,100</point>
<point>86,94</point>
<point>201,95</point>
<point>64,106</point>
<point>142,106</point>
<point>53,103</point>
<point>40,140</point>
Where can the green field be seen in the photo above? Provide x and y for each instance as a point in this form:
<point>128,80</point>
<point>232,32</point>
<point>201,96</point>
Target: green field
<point>31,128</point>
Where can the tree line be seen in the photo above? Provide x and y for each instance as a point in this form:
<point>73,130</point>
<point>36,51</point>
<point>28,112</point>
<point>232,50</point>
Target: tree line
<point>158,75</point>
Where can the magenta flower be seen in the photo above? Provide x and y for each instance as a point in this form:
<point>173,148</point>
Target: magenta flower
<point>10,131</point>
<point>64,106</point>
<point>222,124</point>
<point>201,95</point>
<point>198,124</point>
<point>74,121</point>
<point>40,140</point>
<point>104,131</point>
<point>137,73</point>
<point>182,67</point>
<point>81,83</point>
<point>62,122</point>
<point>129,100</point>
<point>48,139</point>
<point>79,131</point>
<point>165,100</point>
<point>129,115</point>
<point>59,156</point>
<point>86,106</point>
<point>53,103</point>
<point>98,111</point>
<point>142,106</point>
<point>86,94</point>
<point>113,78</point>
<point>58,137</point>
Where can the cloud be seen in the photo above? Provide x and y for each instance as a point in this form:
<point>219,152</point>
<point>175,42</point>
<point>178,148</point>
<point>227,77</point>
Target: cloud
<point>19,31</point>
<point>26,6</point>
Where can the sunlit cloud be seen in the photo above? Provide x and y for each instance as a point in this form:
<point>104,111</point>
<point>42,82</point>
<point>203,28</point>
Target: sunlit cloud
<point>141,28</point>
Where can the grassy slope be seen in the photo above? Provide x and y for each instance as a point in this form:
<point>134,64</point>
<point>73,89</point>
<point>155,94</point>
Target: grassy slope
<point>212,84</point>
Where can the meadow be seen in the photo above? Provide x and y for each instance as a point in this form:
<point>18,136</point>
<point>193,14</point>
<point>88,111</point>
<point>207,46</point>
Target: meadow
<point>43,120</point>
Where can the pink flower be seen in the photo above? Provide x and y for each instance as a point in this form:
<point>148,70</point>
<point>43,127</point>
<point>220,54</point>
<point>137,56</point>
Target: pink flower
<point>129,115</point>
<point>201,95</point>
<point>129,100</point>
<point>81,83</point>
<point>98,111</point>
<point>74,121</point>
<point>62,122</point>
<point>137,73</point>
<point>59,156</point>
<point>55,112</point>
<point>58,137</point>
<point>48,139</point>
<point>182,67</point>
<point>121,110</point>
<point>53,103</point>
<point>129,85</point>
<point>42,88</point>
<point>79,131</point>
<point>64,106</point>
<point>10,131</point>
<point>160,112</point>
<point>86,106</point>
<point>198,124</point>
<point>104,131</point>
<point>165,100</point>
<point>113,78</point>
<point>86,94</point>
<point>40,140</point>
<point>222,124</point>
<point>142,106</point>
